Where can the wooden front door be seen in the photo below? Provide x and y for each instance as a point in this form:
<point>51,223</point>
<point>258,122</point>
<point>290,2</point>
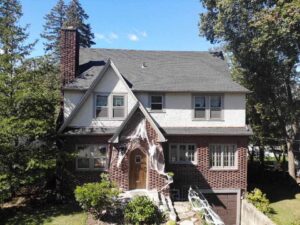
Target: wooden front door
<point>137,170</point>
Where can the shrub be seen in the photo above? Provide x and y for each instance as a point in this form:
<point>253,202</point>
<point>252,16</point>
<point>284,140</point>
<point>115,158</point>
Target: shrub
<point>97,197</point>
<point>260,201</point>
<point>171,222</point>
<point>141,210</point>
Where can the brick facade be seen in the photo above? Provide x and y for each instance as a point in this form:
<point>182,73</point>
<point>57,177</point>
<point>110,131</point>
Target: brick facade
<point>69,54</point>
<point>201,174</point>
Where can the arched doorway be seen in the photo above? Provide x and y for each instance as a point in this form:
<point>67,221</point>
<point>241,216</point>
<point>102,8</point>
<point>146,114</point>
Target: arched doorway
<point>137,169</point>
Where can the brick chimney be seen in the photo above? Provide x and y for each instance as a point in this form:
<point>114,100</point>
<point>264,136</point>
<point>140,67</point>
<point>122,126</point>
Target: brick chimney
<point>69,50</point>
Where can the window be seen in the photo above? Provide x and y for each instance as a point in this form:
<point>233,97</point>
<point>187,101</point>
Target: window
<point>223,156</point>
<point>101,106</point>
<point>208,107</point>
<point>182,153</point>
<point>199,105</point>
<point>156,102</point>
<point>91,157</point>
<point>110,106</point>
<point>118,106</point>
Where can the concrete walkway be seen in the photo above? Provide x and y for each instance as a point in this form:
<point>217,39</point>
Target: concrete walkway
<point>185,214</point>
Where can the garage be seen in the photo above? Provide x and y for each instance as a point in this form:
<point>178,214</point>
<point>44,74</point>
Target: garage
<point>225,205</point>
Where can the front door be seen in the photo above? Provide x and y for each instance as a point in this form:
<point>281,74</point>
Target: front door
<point>138,170</point>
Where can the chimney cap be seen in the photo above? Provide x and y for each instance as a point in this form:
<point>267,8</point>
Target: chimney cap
<point>69,28</point>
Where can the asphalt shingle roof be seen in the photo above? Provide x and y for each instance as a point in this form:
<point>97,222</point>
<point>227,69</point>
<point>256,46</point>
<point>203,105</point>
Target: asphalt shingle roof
<point>159,70</point>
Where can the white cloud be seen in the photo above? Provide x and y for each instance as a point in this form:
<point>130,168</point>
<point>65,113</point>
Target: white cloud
<point>133,37</point>
<point>109,38</point>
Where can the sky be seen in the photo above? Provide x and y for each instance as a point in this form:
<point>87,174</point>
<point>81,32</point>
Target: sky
<point>129,24</point>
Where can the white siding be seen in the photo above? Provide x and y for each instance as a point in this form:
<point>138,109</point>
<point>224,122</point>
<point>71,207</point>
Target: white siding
<point>71,99</point>
<point>179,111</point>
<point>110,83</point>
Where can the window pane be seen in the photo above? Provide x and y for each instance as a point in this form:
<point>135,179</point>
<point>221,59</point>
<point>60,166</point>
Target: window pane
<point>101,112</point>
<point>191,153</point>
<point>118,100</point>
<point>83,151</point>
<point>156,106</point>
<point>100,151</point>
<point>156,99</point>
<point>200,101</point>
<point>118,112</point>
<point>100,162</point>
<point>82,163</point>
<point>215,113</point>
<point>215,101</point>
<point>199,113</point>
<point>101,100</point>
<point>182,153</point>
<point>173,153</point>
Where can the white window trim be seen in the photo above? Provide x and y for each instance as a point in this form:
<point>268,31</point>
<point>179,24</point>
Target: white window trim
<point>194,162</point>
<point>207,107</point>
<point>91,160</point>
<point>110,105</point>
<point>162,99</point>
<point>222,168</point>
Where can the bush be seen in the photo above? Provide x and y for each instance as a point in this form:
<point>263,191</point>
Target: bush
<point>141,210</point>
<point>97,197</point>
<point>260,201</point>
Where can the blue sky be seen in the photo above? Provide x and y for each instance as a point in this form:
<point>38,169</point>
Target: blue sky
<point>130,24</point>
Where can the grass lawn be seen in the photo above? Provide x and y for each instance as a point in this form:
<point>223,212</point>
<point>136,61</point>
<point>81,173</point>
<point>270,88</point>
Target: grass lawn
<point>281,190</point>
<point>45,215</point>
<point>287,211</point>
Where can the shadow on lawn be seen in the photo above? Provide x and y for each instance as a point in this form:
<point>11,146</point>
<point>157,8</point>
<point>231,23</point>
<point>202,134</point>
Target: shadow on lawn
<point>277,185</point>
<point>35,214</point>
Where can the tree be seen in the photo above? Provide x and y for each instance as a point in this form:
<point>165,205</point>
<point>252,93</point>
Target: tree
<point>76,17</point>
<point>54,22</point>
<point>28,100</point>
<point>262,39</point>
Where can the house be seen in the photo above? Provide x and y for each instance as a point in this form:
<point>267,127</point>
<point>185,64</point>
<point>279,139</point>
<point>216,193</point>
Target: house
<point>140,114</point>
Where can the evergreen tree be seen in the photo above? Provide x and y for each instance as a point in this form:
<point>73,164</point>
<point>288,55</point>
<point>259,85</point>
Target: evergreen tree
<point>28,100</point>
<point>54,22</point>
<point>76,18</point>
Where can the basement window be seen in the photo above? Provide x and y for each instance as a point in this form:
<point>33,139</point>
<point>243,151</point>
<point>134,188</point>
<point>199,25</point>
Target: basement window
<point>91,157</point>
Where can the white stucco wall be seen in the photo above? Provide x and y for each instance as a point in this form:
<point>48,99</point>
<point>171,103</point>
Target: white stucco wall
<point>110,83</point>
<point>178,111</point>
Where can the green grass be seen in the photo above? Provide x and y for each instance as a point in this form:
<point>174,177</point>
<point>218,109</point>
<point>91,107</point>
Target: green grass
<point>287,212</point>
<point>43,215</point>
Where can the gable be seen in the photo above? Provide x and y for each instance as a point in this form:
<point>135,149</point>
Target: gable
<point>109,81</point>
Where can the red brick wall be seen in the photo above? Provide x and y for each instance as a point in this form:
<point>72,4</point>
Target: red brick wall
<point>201,174</point>
<point>69,54</point>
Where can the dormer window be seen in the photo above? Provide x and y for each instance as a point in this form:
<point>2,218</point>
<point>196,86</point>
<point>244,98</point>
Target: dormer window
<point>156,102</point>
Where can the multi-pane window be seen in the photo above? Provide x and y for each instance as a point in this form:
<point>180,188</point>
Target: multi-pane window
<point>223,156</point>
<point>182,153</point>
<point>156,102</point>
<point>110,106</point>
<point>118,106</point>
<point>207,107</point>
<point>91,157</point>
<point>101,106</point>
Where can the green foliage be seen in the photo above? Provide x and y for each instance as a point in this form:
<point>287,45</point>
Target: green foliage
<point>75,17</point>
<point>262,42</point>
<point>29,97</point>
<point>97,197</point>
<point>260,201</point>
<point>141,210</point>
